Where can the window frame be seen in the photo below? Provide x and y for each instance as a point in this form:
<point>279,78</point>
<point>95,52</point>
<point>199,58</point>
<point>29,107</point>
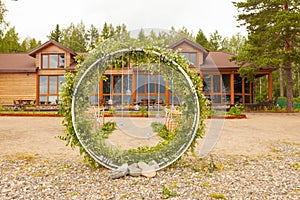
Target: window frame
<point>46,57</point>
<point>188,56</point>
<point>221,96</point>
<point>48,95</point>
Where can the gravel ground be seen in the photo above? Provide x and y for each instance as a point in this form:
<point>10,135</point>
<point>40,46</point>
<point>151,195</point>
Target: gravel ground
<point>275,176</point>
<point>264,167</point>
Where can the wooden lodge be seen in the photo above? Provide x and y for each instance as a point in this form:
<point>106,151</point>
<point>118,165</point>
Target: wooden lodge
<point>36,77</point>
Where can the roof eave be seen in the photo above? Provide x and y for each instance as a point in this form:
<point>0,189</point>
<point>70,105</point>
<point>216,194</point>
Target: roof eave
<point>195,45</point>
<point>37,49</point>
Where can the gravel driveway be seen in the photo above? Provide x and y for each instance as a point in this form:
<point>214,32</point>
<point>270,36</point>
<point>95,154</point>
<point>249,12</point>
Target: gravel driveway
<point>254,158</point>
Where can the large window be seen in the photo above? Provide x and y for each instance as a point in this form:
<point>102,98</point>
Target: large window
<point>207,83</point>
<point>112,89</point>
<point>150,87</point>
<point>242,90</point>
<point>53,61</point>
<point>192,57</point>
<point>49,88</point>
<point>238,89</point>
<point>217,87</point>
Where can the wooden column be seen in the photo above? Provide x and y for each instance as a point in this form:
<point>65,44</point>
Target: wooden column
<point>232,88</point>
<point>167,92</point>
<point>201,78</point>
<point>201,75</point>
<point>270,86</point>
<point>100,90</point>
<point>37,89</point>
<point>133,87</point>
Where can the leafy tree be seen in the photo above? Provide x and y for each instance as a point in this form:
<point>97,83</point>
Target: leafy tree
<point>56,34</point>
<point>121,29</point>
<point>92,36</point>
<point>141,35</point>
<point>111,30</point>
<point>202,39</point>
<point>3,24</point>
<point>24,45</point>
<point>107,31</point>
<point>176,35</point>
<point>33,43</point>
<point>233,45</point>
<point>10,42</point>
<point>215,41</point>
<point>153,35</point>
<point>273,37</point>
<point>29,44</point>
<point>75,37</point>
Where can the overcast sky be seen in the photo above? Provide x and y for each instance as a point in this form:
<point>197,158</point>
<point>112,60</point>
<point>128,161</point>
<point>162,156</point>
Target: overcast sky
<point>36,18</point>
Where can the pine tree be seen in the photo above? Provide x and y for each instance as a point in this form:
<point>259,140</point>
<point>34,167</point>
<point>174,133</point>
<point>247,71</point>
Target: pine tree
<point>202,39</point>
<point>33,43</point>
<point>273,36</point>
<point>141,35</point>
<point>215,41</point>
<point>56,34</point>
<point>93,37</point>
<point>105,33</point>
<point>121,29</point>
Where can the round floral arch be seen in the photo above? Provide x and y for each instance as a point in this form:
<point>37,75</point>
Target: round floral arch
<point>91,121</point>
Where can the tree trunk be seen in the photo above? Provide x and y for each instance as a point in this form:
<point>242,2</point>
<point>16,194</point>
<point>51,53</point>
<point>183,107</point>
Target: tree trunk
<point>288,70</point>
<point>281,82</point>
<point>289,89</point>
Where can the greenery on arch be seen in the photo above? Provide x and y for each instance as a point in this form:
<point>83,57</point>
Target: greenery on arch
<point>137,58</point>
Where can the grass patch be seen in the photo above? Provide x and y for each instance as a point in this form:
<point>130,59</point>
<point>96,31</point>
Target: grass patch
<point>21,156</point>
<point>296,166</point>
<point>217,196</point>
<point>168,193</point>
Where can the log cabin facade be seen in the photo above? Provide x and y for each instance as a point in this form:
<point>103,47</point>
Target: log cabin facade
<point>36,77</point>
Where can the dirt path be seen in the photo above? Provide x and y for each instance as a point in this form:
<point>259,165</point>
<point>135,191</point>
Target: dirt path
<point>252,136</point>
<point>258,133</point>
<point>33,135</point>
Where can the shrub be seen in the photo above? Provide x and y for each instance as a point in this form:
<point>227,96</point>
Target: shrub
<point>236,110</point>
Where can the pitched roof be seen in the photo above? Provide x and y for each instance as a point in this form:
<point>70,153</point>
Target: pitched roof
<point>220,60</point>
<point>191,43</point>
<point>51,42</point>
<point>17,62</point>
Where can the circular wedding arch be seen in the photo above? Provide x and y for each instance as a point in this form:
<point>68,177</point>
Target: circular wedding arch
<point>113,157</point>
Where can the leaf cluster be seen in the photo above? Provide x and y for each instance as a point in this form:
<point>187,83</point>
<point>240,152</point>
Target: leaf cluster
<point>272,27</point>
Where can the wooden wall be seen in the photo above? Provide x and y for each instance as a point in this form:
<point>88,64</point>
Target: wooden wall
<point>17,86</point>
<point>190,49</point>
<point>53,49</point>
